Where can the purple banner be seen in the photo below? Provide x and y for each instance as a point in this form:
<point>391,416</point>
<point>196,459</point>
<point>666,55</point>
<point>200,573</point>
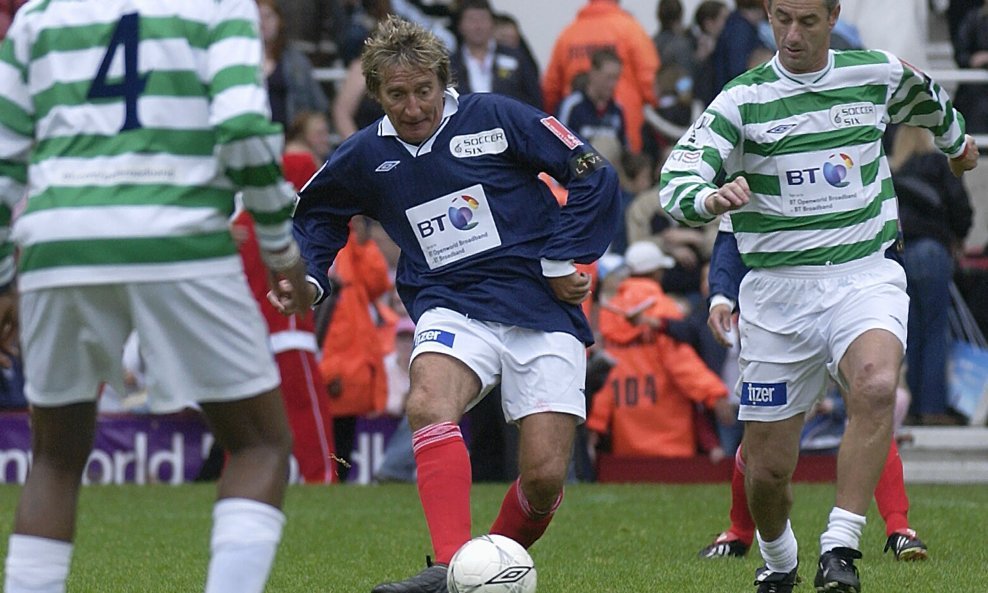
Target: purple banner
<point>129,448</point>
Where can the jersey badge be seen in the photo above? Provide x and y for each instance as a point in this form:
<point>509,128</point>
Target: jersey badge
<point>386,166</point>
<point>562,132</point>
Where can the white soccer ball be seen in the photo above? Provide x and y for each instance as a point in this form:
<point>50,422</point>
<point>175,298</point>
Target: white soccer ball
<point>491,564</point>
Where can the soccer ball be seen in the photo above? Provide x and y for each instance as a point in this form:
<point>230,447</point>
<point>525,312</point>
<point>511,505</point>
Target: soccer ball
<point>491,564</point>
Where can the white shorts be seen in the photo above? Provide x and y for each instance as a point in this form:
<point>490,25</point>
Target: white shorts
<point>797,323</point>
<point>538,371</point>
<point>202,339</point>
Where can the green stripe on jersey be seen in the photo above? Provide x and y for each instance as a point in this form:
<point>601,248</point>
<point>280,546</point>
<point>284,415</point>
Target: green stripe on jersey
<point>828,140</point>
<point>837,254</point>
<point>770,111</point>
<point>151,195</point>
<point>79,37</point>
<point>166,83</point>
<point>843,59</point>
<point>145,250</point>
<point>14,170</point>
<point>272,218</point>
<point>143,140</point>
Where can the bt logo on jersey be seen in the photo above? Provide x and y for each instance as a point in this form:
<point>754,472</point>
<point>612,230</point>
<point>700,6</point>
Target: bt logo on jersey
<point>763,394</point>
<point>834,171</point>
<point>461,212</point>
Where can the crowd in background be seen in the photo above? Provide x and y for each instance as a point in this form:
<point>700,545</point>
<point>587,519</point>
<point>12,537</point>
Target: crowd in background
<point>661,386</point>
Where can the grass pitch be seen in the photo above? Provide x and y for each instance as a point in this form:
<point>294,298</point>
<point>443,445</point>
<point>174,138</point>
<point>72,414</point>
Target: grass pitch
<point>605,539</point>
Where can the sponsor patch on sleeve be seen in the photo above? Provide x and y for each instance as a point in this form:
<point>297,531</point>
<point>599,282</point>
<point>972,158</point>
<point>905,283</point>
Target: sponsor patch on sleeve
<point>683,160</point>
<point>562,132</point>
<point>764,395</point>
<point>582,165</point>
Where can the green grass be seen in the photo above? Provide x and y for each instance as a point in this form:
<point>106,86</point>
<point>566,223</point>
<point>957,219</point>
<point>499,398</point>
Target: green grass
<point>605,539</point>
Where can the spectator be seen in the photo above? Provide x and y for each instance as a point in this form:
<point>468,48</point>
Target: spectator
<point>735,43</point>
<point>971,51</point>
<point>674,42</point>
<point>315,27</point>
<point>935,214</point>
<point>139,240</point>
<point>602,24</point>
<point>352,363</point>
<point>398,463</point>
<point>306,147</point>
<point>592,111</point>
<point>708,22</point>
<point>292,341</point>
<point>646,406</point>
<point>287,72</point>
<point>508,33</point>
<point>483,66</point>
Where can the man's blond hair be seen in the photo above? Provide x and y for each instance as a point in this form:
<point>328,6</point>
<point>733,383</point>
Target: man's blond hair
<point>397,43</point>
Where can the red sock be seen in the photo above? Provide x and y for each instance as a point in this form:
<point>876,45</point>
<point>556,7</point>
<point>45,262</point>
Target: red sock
<point>742,525</point>
<point>444,486</point>
<point>519,521</point>
<point>890,494</point>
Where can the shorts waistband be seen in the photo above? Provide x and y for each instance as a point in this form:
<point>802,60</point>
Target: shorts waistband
<point>826,271</point>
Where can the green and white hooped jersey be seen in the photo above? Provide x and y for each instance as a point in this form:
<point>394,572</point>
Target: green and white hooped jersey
<point>130,125</point>
<point>810,148</point>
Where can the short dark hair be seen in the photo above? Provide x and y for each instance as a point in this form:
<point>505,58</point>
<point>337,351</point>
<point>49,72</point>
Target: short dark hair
<point>465,5</point>
<point>830,5</point>
<point>707,10</point>
<point>602,56</point>
<point>670,13</point>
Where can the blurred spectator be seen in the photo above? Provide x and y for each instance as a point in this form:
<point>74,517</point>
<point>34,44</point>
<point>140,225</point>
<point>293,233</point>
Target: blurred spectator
<point>646,406</point>
<point>315,27</point>
<point>508,33</point>
<point>288,73</point>
<point>7,10</point>
<point>899,27</point>
<point>306,147</point>
<point>12,386</point>
<point>398,463</point>
<point>971,51</point>
<point>734,45</point>
<point>352,362</point>
<point>293,343</point>
<point>483,66</point>
<point>636,172</point>
<point>708,22</point>
<point>957,13</point>
<point>604,24</point>
<point>674,42</point>
<point>592,111</point>
<point>363,17</point>
<point>935,214</point>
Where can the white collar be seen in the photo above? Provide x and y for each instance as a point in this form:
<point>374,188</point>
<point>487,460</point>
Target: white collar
<point>806,77</point>
<point>451,104</point>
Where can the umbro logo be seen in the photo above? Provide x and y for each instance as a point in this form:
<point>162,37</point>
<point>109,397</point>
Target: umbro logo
<point>386,166</point>
<point>782,129</point>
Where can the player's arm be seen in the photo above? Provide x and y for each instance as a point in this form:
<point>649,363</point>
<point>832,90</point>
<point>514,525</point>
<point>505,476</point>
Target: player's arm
<point>724,278</point>
<point>16,141</point>
<point>686,187</point>
<point>917,100</point>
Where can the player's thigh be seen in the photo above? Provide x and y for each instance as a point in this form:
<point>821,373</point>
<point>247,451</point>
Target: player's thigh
<point>771,449</point>
<point>251,422</point>
<point>63,434</point>
<point>72,341</point>
<point>203,340</point>
<point>542,372</point>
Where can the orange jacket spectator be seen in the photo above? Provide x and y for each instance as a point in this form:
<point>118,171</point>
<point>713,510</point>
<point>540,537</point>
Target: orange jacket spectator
<point>352,357</point>
<point>599,24</point>
<point>647,403</point>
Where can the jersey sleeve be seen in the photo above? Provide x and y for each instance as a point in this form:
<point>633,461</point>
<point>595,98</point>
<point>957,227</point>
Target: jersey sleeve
<point>250,145</point>
<point>16,135</point>
<point>592,212</point>
<point>726,267</point>
<point>690,170</point>
<point>917,100</point>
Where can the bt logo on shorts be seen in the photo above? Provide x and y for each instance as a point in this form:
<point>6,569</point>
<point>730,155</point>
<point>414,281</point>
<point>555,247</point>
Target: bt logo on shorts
<point>763,394</point>
<point>461,212</point>
<point>834,171</point>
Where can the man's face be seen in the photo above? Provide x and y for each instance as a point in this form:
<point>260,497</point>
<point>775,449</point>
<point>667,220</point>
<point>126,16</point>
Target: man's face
<point>802,32</point>
<point>413,101</point>
<point>602,81</point>
<point>476,26</point>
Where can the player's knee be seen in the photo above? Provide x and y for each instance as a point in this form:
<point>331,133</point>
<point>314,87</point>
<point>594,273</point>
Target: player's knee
<point>542,485</point>
<point>873,393</point>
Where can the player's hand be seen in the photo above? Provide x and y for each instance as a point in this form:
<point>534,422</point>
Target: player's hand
<point>572,289</point>
<point>726,413</point>
<point>9,328</point>
<point>290,292</point>
<point>968,159</point>
<point>731,196</point>
<point>720,321</point>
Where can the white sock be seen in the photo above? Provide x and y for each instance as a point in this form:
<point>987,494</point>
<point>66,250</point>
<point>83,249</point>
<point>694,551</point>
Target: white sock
<point>245,536</point>
<point>782,553</point>
<point>843,530</point>
<point>36,564</point>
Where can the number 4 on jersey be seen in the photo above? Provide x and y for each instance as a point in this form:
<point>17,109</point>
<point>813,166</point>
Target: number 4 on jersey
<point>128,33</point>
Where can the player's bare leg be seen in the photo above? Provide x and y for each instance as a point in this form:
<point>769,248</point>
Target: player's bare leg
<point>545,449</point>
<point>44,526</point>
<point>247,520</point>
